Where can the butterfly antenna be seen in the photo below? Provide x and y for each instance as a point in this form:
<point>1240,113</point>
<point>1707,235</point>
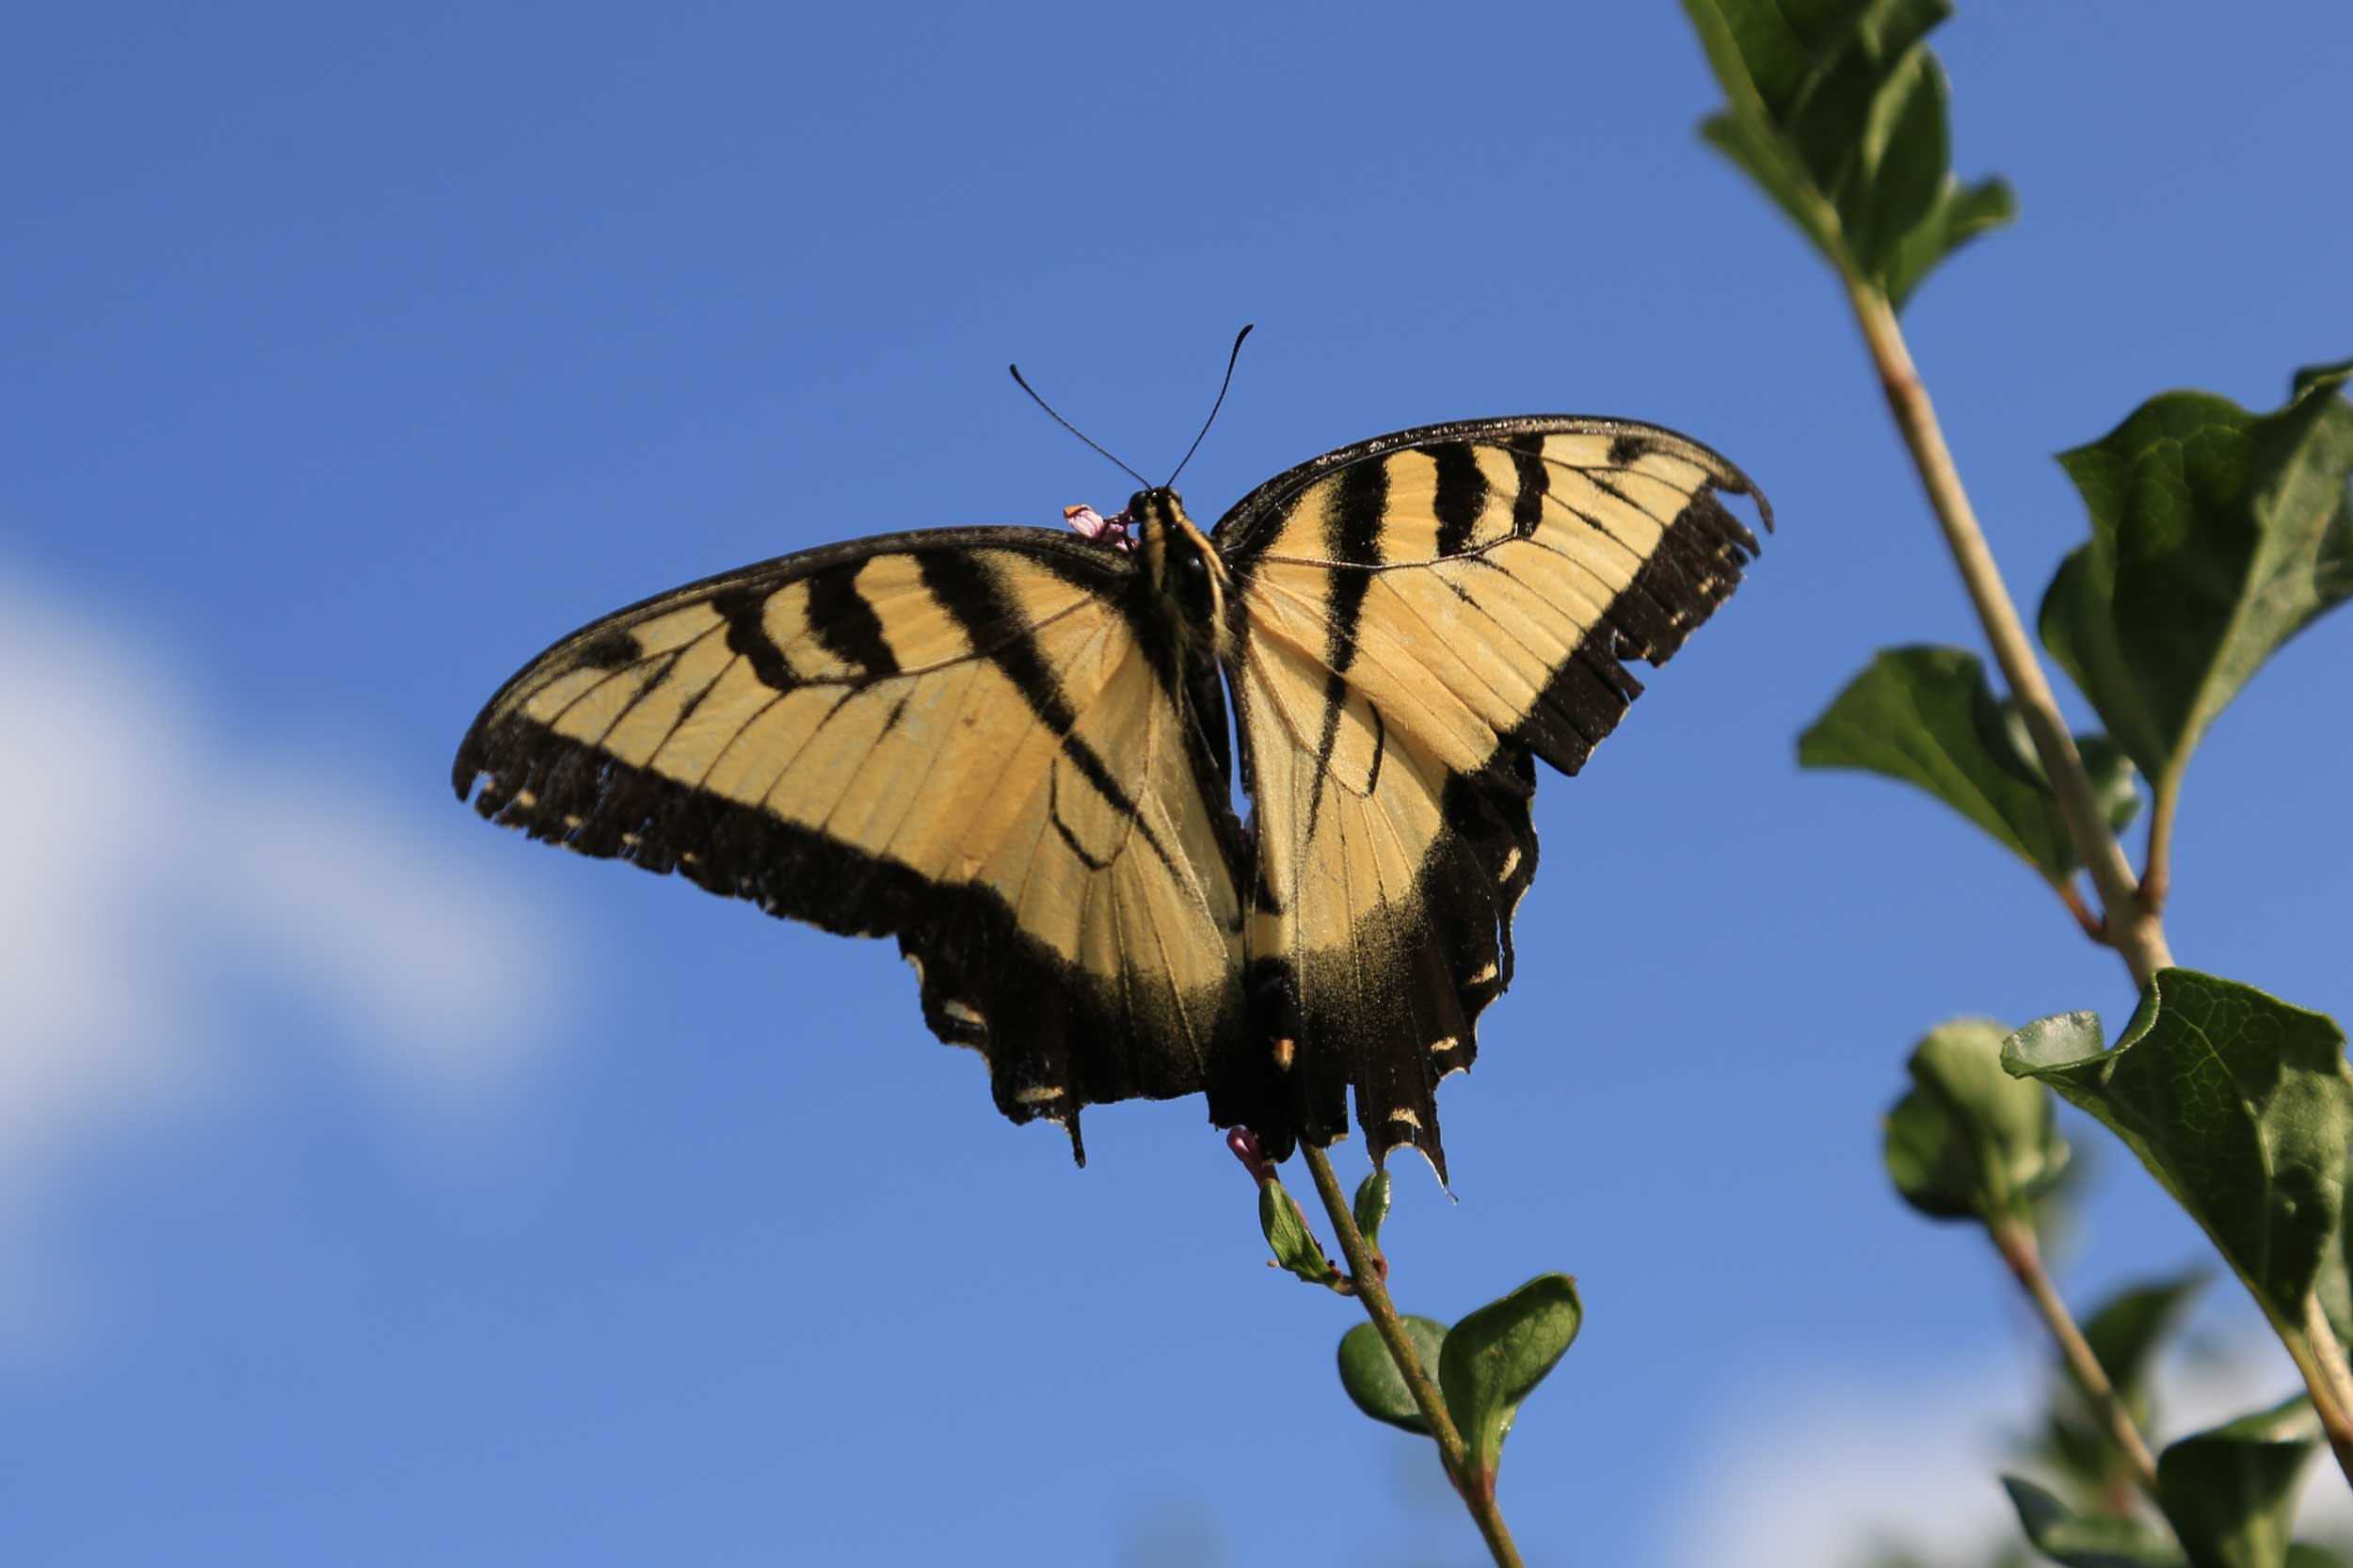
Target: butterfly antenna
<point>1230,359</point>
<point>1072,428</point>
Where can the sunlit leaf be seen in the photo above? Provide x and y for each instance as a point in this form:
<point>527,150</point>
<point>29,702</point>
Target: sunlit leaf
<point>1838,111</point>
<point>1294,1245</point>
<point>2081,1541</point>
<point>1961,214</point>
<point>1926,715</point>
<point>2335,1285</point>
<point>2126,1331</point>
<point>1494,1358</point>
<point>1370,1373</point>
<point>2239,1103</point>
<point>2230,1493</point>
<point>1372,1207</point>
<point>2115,785</point>
<point>1968,1141</point>
<point>2217,534</point>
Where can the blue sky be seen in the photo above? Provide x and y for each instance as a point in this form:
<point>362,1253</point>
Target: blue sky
<point>378,1188</point>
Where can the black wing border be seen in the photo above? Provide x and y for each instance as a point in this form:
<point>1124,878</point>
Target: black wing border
<point>1045,1030</point>
<point>1235,534</point>
<point>1485,861</point>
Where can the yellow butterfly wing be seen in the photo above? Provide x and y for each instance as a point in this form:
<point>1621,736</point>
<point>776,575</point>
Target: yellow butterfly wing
<point>1417,617</point>
<point>955,737</point>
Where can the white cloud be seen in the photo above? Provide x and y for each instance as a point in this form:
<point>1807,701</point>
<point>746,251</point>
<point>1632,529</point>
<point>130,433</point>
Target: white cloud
<point>1815,1467</point>
<point>159,878</point>
<point>1808,1472</point>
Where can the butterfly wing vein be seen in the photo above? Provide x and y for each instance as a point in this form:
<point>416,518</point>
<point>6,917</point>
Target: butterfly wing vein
<point>961,743</point>
<point>1420,618</point>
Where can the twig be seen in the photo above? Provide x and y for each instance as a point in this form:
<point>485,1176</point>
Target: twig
<point>2136,933</point>
<point>2073,897</point>
<point>2016,1243</point>
<point>2156,877</point>
<point>2131,910</point>
<point>1478,1495</point>
<point>2330,1381</point>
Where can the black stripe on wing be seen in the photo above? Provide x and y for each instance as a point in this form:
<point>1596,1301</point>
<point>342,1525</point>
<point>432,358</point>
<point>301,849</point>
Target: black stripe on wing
<point>1058,1036</point>
<point>1393,1034</point>
<point>986,984</point>
<point>1247,525</point>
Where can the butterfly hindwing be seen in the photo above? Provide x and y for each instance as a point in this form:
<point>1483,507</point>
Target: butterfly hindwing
<point>1413,620</point>
<point>964,738</point>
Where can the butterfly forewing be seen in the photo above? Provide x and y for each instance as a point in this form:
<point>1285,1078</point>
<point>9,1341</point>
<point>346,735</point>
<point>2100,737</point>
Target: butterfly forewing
<point>963,737</point>
<point>1414,617</point>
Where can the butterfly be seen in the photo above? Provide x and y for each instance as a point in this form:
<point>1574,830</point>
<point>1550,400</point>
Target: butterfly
<point>1009,747</point>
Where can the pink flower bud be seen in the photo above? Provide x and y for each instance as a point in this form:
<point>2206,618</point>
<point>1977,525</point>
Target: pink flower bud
<point>1102,530</point>
<point>1244,1144</point>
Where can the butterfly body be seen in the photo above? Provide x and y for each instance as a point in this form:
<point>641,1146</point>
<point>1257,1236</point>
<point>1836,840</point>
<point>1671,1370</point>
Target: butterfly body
<point>1009,748</point>
<point>1183,571</point>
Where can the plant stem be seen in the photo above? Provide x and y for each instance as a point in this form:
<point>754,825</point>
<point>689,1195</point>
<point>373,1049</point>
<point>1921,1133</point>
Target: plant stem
<point>2073,899</point>
<point>2135,931</point>
<point>2131,909</point>
<point>2329,1380</point>
<point>2156,876</point>
<point>1478,1494</point>
<point>2016,1243</point>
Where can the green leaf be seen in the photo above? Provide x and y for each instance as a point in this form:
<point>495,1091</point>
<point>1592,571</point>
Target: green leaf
<point>2217,534</point>
<point>2125,1334</point>
<point>1370,1373</point>
<point>2335,1285</point>
<point>2319,378</point>
<point>2127,1329</point>
<point>1372,1207</point>
<point>2302,1555</point>
<point>1295,1246</point>
<point>2230,1493</point>
<point>1927,715</point>
<point>2079,1452</point>
<point>1837,111</point>
<point>2240,1104</point>
<point>1760,154</point>
<point>2079,1541</point>
<point>2115,786</point>
<point>1496,1357</point>
<point>1968,1141</point>
<point>1959,215</point>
